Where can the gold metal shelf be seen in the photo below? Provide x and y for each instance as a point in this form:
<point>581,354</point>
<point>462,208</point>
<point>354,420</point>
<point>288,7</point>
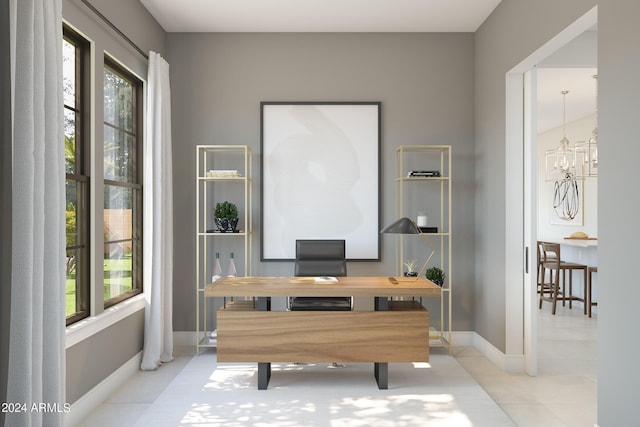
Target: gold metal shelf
<point>210,158</point>
<point>431,158</point>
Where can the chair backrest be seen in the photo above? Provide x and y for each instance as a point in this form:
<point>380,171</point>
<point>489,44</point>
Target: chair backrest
<point>550,254</point>
<point>320,258</point>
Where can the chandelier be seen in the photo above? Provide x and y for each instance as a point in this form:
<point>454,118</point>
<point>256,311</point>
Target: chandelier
<point>561,170</point>
<point>561,161</point>
<point>587,151</point>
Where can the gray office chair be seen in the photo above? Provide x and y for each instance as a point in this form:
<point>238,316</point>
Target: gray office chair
<point>320,258</point>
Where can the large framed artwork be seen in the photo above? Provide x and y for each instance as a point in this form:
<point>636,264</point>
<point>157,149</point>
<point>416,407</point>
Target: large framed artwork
<point>320,176</point>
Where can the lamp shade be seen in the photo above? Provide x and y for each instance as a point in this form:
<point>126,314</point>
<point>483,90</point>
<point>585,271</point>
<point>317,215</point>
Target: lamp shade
<point>402,226</point>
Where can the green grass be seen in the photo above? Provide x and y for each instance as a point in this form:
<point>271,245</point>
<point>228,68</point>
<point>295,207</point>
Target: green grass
<point>117,272</point>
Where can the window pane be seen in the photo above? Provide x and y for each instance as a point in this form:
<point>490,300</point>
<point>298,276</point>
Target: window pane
<point>72,213</point>
<point>118,220</point>
<point>69,73</point>
<point>118,197</point>
<point>118,269</point>
<point>70,141</point>
<point>118,101</point>
<point>122,242</point>
<point>73,282</point>
<point>118,155</point>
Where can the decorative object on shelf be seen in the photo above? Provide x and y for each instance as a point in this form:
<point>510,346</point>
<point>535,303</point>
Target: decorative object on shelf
<point>423,174</point>
<point>223,173</point>
<point>422,219</point>
<point>217,270</point>
<point>587,150</point>
<point>407,226</point>
<point>436,275</point>
<point>411,268</point>
<point>429,229</point>
<point>226,217</point>
<point>231,270</point>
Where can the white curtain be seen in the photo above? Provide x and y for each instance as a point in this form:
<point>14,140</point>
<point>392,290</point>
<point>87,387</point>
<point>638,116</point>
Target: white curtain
<point>36,371</point>
<point>158,218</point>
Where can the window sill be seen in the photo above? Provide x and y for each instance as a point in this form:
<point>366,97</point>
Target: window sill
<point>87,327</point>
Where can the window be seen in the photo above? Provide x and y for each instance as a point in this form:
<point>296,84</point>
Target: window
<point>122,184</point>
<point>76,149</point>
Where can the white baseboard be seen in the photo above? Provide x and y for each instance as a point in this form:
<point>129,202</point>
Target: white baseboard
<point>505,362</point>
<point>82,407</point>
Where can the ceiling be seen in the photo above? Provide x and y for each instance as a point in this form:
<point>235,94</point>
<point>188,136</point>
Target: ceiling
<point>320,15</point>
<point>580,101</point>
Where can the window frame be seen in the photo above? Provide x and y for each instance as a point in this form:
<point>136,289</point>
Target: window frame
<point>82,173</point>
<point>137,173</point>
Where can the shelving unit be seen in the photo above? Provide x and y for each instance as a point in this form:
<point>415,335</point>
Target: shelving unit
<point>223,173</point>
<point>431,195</point>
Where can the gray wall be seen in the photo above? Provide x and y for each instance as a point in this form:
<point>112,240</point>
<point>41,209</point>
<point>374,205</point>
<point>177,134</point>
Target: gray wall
<point>513,32</point>
<point>94,359</point>
<point>425,84</point>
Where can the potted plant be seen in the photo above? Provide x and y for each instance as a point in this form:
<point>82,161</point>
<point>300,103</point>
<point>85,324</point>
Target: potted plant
<point>411,268</point>
<point>436,275</point>
<point>226,217</point>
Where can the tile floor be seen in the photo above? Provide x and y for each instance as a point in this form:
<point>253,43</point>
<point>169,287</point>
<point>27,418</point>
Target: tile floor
<point>563,393</point>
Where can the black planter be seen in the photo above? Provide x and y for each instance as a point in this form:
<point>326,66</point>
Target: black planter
<point>226,225</point>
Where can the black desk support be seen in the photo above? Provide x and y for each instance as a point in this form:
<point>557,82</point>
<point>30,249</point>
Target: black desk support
<point>264,368</point>
<point>381,370</point>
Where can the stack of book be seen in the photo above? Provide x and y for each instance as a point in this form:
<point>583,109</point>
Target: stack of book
<point>222,173</point>
<point>423,174</point>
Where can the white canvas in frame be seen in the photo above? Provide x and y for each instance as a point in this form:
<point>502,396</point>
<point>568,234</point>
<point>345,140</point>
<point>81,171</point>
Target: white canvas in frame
<point>320,176</point>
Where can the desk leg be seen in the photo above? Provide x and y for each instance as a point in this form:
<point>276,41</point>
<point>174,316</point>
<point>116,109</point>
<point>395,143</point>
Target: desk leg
<point>264,369</point>
<point>381,304</point>
<point>264,303</point>
<point>264,375</point>
<point>381,370</point>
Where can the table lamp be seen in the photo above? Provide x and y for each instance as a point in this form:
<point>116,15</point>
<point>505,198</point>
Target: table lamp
<point>407,226</point>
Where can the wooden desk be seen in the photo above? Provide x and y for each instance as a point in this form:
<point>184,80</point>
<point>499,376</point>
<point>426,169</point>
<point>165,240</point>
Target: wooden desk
<point>397,331</point>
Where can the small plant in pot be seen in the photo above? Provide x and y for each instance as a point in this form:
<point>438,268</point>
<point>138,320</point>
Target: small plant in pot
<point>411,269</point>
<point>436,275</point>
<point>226,217</point>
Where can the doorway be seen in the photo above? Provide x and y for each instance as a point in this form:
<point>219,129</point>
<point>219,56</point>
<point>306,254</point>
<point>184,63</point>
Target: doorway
<point>521,195</point>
